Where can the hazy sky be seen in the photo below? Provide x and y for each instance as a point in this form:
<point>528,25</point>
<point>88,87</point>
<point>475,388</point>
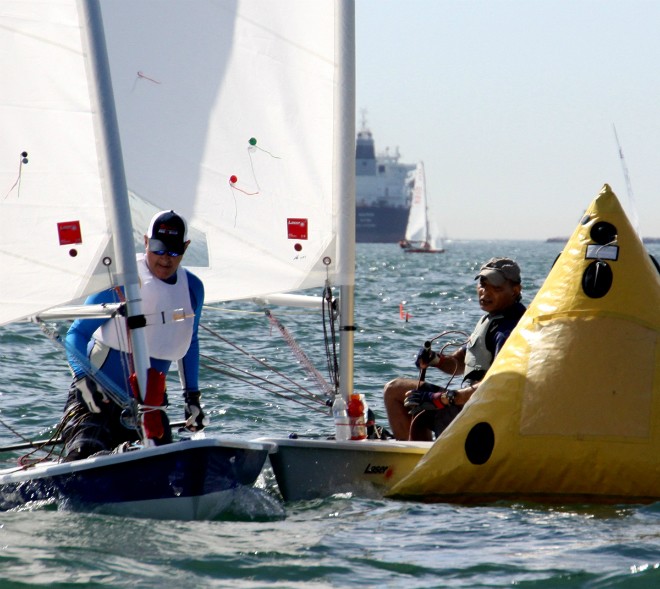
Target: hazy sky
<point>511,106</point>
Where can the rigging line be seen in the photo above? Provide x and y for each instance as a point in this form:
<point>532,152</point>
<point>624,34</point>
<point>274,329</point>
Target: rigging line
<point>120,397</point>
<point>422,373</point>
<point>125,359</point>
<point>113,391</point>
<point>17,433</point>
<point>456,331</point>
<point>453,374</point>
<point>249,382</point>
<point>38,444</point>
<point>307,394</point>
<point>223,310</point>
<point>56,441</point>
<point>298,353</point>
<point>26,461</point>
<point>331,356</point>
<point>252,357</point>
<point>260,312</point>
<point>631,198</point>
<point>35,447</point>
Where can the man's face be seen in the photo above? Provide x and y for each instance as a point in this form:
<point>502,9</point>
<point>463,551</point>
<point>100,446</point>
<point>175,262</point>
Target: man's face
<point>494,298</point>
<point>162,266</point>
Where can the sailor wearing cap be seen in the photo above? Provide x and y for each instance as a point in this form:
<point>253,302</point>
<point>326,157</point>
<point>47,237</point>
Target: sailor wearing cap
<point>165,293</point>
<point>499,293</point>
<point>434,407</point>
<point>172,299</point>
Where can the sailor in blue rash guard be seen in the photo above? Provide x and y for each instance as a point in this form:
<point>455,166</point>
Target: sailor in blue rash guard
<point>417,411</point>
<point>172,301</point>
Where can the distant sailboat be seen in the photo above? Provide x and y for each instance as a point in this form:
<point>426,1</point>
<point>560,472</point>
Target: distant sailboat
<point>419,236</point>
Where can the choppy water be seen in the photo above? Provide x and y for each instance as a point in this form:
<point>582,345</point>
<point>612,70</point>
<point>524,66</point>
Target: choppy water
<point>340,541</point>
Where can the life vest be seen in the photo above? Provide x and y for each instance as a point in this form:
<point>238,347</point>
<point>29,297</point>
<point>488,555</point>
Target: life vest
<point>478,357</point>
<point>169,314</point>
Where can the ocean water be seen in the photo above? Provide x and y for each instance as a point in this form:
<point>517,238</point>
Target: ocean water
<point>341,541</point>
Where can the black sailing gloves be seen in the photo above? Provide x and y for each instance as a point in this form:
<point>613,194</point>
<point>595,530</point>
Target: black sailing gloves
<point>426,357</point>
<point>426,397</point>
<point>196,420</point>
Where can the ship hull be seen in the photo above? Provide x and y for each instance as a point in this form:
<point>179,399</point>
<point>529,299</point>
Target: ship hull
<point>380,224</point>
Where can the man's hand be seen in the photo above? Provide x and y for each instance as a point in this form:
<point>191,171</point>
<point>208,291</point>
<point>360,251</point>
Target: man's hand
<point>196,420</point>
<point>425,398</point>
<point>89,394</point>
<point>426,357</point>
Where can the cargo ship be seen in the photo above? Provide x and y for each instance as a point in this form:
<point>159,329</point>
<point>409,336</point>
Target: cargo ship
<point>383,190</point>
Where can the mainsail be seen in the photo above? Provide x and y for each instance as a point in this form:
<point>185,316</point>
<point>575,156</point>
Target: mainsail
<point>226,112</point>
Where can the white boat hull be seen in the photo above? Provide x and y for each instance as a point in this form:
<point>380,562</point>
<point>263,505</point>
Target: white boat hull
<point>187,480</point>
<point>310,469</point>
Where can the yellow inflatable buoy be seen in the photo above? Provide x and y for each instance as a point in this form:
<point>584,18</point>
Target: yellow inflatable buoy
<point>570,409</point>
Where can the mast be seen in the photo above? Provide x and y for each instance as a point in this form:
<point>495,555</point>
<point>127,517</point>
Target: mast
<point>427,228</point>
<point>114,178</point>
<point>344,186</point>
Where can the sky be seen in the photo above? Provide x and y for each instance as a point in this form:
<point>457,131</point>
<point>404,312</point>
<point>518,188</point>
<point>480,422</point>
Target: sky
<point>512,107</point>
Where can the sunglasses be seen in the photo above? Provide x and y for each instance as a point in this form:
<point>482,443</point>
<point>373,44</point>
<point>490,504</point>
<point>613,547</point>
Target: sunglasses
<point>164,252</point>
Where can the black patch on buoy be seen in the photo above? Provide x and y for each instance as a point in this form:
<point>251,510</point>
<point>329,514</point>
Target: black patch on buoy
<point>655,263</point>
<point>479,443</point>
<point>555,260</point>
<point>597,279</point>
<point>603,233</point>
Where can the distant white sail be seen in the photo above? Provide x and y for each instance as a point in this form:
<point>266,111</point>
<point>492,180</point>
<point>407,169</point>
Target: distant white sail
<point>421,230</point>
<point>417,229</point>
<point>226,111</point>
<point>54,226</point>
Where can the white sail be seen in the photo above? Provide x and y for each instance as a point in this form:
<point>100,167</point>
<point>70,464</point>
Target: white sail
<point>226,112</point>
<point>435,241</point>
<point>417,229</point>
<point>54,223</point>
<point>421,230</point>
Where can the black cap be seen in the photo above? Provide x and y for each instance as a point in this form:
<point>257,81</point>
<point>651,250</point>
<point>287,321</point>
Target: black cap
<point>167,232</point>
